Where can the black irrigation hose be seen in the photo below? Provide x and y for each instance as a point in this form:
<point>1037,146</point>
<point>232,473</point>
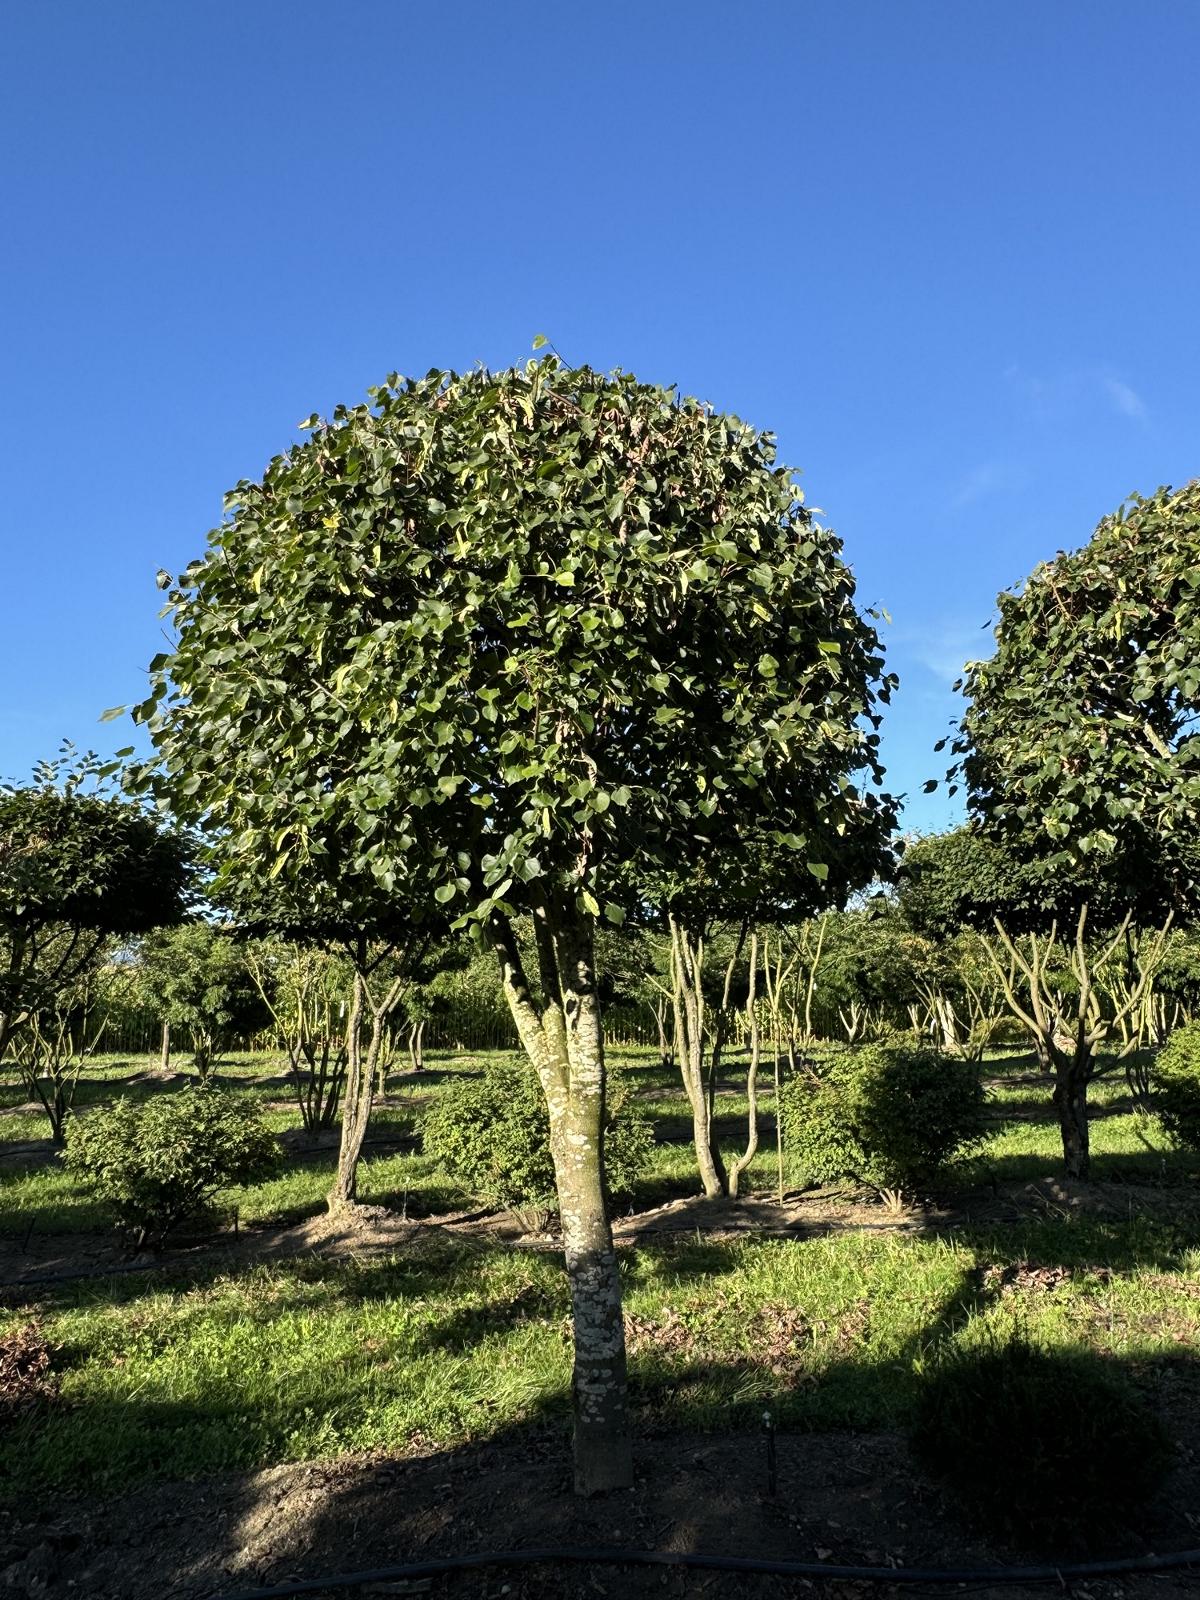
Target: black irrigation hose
<point>608,1556</point>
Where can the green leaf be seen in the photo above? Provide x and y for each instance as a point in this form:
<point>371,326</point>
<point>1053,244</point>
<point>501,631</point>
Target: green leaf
<point>112,713</point>
<point>540,341</point>
<point>444,892</point>
<point>819,870</point>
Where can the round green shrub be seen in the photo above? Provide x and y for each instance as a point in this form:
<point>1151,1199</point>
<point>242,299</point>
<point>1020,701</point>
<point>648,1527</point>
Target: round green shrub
<point>159,1163</point>
<point>1175,1086</point>
<point>492,1133</point>
<point>892,1114</point>
<point>1050,1449</point>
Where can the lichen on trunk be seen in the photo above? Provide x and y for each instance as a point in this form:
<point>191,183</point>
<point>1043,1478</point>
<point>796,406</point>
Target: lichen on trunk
<point>563,1038</point>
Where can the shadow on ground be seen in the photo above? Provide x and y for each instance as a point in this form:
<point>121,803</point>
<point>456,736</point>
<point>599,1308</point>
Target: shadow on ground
<point>840,1497</point>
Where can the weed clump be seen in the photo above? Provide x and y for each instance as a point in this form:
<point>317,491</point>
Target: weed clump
<point>25,1376</point>
<point>1046,1449</point>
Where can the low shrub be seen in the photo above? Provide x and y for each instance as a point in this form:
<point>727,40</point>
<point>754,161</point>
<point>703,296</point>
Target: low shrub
<point>892,1114</point>
<point>1175,1086</point>
<point>492,1134</point>
<point>1049,1449</point>
<point>160,1163</point>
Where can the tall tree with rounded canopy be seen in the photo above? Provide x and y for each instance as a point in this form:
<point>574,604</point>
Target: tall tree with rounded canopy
<point>522,638</point>
<point>1080,751</point>
<point>1081,728</point>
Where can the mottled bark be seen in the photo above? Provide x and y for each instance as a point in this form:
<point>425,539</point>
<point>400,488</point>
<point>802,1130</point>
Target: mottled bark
<point>164,1050</point>
<point>357,1093</point>
<point>563,1037</point>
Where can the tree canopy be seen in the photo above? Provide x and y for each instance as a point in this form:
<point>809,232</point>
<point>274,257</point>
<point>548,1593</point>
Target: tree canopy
<point>79,865</point>
<point>1080,731</point>
<point>972,876</point>
<point>516,629</point>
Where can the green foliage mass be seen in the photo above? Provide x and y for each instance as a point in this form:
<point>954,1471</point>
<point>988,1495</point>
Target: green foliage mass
<point>870,956</point>
<point>159,1163</point>
<point>79,866</point>
<point>971,876</point>
<point>892,1114</point>
<point>1175,1086</point>
<point>493,1135</point>
<point>196,977</point>
<point>71,852</point>
<point>1079,735</point>
<point>492,630</point>
<point>1048,1448</point>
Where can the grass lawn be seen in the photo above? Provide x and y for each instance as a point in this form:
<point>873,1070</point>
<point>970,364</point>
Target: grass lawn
<point>194,1368</point>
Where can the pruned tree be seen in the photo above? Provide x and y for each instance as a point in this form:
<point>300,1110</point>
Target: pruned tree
<point>57,1042</point>
<point>526,639</point>
<point>306,989</point>
<point>1078,748</point>
<point>336,910</point>
<point>1097,996</point>
<point>80,868</point>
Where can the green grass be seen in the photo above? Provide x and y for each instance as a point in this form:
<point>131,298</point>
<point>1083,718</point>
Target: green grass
<point>313,1357</point>
<point>192,1370</point>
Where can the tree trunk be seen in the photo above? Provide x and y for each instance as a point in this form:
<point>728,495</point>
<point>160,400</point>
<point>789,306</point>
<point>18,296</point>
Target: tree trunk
<point>357,1095</point>
<point>1070,1102</point>
<point>566,1046</point>
<point>688,1002</point>
<point>164,1053</point>
<point>363,1070</point>
<point>666,1052</point>
<point>416,1046</point>
<point>602,1445</point>
<point>743,1161</point>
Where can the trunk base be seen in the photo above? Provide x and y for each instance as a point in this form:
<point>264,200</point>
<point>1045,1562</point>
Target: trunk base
<point>603,1461</point>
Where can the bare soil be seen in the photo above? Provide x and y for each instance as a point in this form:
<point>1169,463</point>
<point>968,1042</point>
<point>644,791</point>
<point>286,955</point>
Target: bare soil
<point>841,1498</point>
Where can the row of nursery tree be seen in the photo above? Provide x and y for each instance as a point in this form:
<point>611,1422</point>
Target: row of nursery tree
<point>526,656</point>
<point>967,948</point>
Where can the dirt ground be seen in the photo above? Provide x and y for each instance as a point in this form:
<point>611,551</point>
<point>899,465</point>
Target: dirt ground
<point>841,1498</point>
<point>43,1258</point>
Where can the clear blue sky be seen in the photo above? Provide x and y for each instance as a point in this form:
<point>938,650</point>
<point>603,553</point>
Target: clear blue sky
<point>948,252</point>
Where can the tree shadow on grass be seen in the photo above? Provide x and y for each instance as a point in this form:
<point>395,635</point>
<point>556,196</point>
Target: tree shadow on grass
<point>699,1456</point>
